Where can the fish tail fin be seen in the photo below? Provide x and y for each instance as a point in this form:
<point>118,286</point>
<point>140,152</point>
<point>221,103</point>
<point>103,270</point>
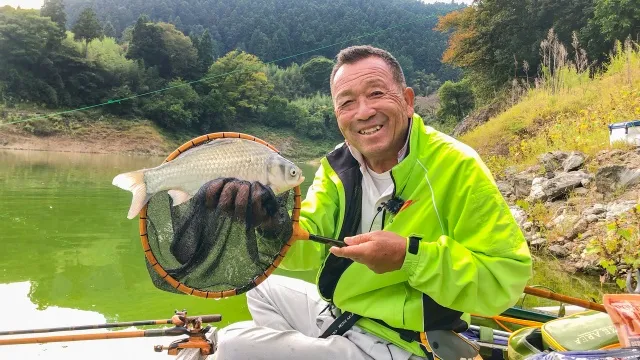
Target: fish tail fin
<point>134,182</point>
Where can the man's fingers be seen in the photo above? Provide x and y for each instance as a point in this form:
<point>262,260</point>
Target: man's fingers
<point>358,239</point>
<point>351,252</point>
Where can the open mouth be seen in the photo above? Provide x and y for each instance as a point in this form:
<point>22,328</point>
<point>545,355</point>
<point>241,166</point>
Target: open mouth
<point>370,131</point>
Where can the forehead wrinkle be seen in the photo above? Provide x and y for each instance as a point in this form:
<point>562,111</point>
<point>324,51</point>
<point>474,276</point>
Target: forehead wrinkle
<point>370,79</point>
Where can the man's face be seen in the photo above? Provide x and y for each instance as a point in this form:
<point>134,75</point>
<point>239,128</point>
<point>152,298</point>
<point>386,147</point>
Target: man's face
<point>372,110</point>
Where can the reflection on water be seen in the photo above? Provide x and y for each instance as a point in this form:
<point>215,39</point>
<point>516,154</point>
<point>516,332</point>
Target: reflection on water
<point>20,313</point>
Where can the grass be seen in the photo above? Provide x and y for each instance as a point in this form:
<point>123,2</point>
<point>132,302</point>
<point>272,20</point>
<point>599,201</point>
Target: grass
<point>573,116</point>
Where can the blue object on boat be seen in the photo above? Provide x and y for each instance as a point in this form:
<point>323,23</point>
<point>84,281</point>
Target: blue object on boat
<point>630,353</point>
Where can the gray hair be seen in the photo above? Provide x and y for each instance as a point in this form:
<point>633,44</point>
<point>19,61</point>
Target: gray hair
<point>354,54</point>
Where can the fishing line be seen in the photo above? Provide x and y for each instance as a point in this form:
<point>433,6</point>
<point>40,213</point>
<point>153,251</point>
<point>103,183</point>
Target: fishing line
<point>118,101</point>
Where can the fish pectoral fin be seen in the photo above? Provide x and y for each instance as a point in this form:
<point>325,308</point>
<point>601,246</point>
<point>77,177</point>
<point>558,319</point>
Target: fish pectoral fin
<point>179,196</point>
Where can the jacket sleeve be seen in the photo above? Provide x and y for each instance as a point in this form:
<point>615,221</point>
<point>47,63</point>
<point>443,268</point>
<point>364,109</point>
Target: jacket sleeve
<point>482,264</point>
<point>318,215</point>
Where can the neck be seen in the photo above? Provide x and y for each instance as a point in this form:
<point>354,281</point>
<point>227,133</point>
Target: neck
<point>381,165</point>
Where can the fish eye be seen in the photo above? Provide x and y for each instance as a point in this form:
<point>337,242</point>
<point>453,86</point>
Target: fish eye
<point>293,172</point>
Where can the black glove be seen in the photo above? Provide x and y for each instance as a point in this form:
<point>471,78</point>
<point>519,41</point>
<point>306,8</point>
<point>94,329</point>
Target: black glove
<point>251,202</point>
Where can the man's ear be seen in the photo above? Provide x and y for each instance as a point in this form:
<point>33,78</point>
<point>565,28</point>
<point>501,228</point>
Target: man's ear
<point>409,98</point>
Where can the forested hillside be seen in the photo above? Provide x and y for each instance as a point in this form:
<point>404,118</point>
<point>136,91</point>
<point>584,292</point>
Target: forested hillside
<point>201,66</point>
<point>273,29</point>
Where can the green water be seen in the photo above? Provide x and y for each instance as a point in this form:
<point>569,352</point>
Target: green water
<point>66,244</point>
<point>64,231</point>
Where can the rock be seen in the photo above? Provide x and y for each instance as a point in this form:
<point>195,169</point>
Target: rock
<point>538,243</point>
<point>578,228</point>
<point>510,171</point>
<point>619,207</point>
<point>558,251</point>
<point>591,218</point>
<point>549,189</point>
<point>527,226</point>
<point>574,161</point>
<point>612,177</point>
<point>552,161</point>
<point>595,210</point>
<point>518,214</point>
<point>581,190</point>
<point>505,188</point>
<point>521,185</point>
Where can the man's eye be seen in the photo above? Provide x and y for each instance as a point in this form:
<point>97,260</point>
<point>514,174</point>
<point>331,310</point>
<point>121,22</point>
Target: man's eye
<point>346,103</point>
<point>377,93</point>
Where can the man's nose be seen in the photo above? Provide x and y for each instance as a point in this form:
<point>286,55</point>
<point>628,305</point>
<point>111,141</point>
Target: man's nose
<point>365,110</point>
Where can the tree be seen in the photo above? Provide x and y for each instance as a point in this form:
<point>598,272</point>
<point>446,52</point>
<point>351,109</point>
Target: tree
<point>485,37</point>
<point>238,85</point>
<point>108,30</point>
<point>54,9</point>
<point>87,27</point>
<point>176,109</point>
<point>317,72</point>
<point>204,46</point>
<point>27,42</point>
<point>456,100</point>
<point>148,46</point>
<point>425,84</point>
<point>618,19</point>
<point>182,55</point>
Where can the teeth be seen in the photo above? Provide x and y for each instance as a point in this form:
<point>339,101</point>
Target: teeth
<point>370,131</point>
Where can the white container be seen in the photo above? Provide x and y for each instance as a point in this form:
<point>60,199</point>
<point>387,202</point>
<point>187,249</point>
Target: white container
<point>628,132</point>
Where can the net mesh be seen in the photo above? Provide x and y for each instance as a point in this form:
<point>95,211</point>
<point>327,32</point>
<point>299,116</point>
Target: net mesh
<point>223,239</point>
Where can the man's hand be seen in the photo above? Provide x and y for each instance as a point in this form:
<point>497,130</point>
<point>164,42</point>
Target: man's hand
<point>380,251</point>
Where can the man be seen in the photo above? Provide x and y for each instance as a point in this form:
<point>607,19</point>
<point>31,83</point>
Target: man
<point>430,238</point>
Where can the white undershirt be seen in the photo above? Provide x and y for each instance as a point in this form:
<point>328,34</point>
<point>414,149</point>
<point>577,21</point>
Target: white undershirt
<point>376,188</point>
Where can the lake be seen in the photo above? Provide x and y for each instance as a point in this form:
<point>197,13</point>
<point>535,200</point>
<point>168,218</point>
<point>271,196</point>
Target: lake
<point>69,255</point>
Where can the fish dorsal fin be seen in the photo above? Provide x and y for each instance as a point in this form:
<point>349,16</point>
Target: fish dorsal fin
<point>213,143</point>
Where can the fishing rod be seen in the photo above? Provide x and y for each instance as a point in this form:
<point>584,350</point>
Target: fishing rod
<point>548,294</point>
<point>190,326</point>
<point>177,322</point>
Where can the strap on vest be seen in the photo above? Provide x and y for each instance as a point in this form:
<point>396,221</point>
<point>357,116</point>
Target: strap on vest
<point>437,344</point>
<point>341,325</point>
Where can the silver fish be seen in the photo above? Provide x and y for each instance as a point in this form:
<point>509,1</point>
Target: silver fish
<point>184,176</point>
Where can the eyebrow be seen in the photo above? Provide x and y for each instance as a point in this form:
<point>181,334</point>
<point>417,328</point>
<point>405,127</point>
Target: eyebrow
<point>370,82</point>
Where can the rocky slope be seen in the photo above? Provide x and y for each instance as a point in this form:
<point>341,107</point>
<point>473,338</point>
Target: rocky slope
<point>566,201</point>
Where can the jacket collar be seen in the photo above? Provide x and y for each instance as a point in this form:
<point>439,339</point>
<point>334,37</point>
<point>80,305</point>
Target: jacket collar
<point>417,139</point>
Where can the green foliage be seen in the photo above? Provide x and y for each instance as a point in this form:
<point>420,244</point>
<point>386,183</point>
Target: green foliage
<point>425,84</point>
<point>161,45</point>
<point>316,72</point>
<point>204,47</point>
<point>237,87</point>
<point>54,9</point>
<point>456,100</point>
<point>617,245</point>
<point>275,29</point>
<point>147,45</point>
<point>618,19</point>
<point>108,30</point>
<point>288,82</point>
<point>87,27</point>
<point>175,109</point>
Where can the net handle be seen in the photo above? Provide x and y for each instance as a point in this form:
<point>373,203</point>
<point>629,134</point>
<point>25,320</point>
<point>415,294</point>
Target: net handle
<point>298,232</point>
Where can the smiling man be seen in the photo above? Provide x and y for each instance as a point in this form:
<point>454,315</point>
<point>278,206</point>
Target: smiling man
<point>430,238</point>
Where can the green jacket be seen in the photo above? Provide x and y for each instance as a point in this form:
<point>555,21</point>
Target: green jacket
<point>472,256</point>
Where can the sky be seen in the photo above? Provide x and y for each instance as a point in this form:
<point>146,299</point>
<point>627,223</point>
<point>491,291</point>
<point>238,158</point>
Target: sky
<point>36,4</point>
<point>25,4</point>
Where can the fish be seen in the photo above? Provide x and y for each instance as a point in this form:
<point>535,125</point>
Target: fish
<point>221,158</point>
